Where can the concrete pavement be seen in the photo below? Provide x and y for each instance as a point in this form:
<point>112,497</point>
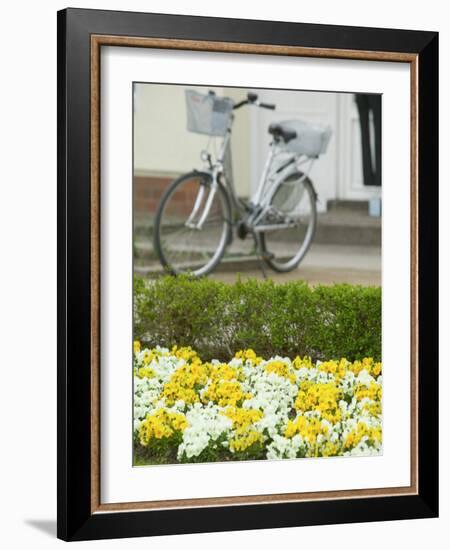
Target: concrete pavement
<point>323,264</point>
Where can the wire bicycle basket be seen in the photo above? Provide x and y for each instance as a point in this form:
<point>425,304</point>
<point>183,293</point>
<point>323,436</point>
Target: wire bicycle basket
<point>208,114</point>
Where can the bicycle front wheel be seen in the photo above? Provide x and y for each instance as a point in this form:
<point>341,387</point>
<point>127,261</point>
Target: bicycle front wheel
<point>294,205</point>
<point>192,225</point>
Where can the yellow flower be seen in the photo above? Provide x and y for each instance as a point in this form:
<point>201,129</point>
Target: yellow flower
<point>137,346</point>
<point>186,381</point>
<point>186,353</point>
<point>356,367</point>
<point>224,392</point>
<point>148,357</point>
<point>281,369</point>
<point>362,430</point>
<point>309,429</point>
<point>145,372</point>
<point>373,392</point>
<point>244,442</point>
<point>224,387</point>
<point>329,449</point>
<point>376,369</point>
<point>296,426</point>
<point>329,367</point>
<point>161,424</point>
<point>304,362</point>
<point>323,398</point>
<point>248,355</point>
<point>373,408</point>
<point>243,418</point>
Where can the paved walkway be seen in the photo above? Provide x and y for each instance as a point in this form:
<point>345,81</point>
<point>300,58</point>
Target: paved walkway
<point>323,264</point>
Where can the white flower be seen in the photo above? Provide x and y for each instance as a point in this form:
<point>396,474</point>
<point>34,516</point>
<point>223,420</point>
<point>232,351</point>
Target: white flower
<point>365,378</point>
<point>206,424</point>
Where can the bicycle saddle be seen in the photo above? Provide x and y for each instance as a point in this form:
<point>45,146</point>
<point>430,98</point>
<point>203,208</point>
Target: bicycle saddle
<point>279,131</point>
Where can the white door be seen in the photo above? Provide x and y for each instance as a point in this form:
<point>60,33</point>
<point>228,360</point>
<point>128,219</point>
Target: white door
<point>350,181</point>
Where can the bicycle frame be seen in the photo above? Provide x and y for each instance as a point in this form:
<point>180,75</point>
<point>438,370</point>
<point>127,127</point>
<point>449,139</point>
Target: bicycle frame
<point>261,199</point>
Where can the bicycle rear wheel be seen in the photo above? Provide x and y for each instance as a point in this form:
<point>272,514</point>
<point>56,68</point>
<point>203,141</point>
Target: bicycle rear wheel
<point>294,201</point>
<point>192,225</point>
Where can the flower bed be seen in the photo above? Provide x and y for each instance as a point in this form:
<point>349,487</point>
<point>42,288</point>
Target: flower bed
<point>187,410</point>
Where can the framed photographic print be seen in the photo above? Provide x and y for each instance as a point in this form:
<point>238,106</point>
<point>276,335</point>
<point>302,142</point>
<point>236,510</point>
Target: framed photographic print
<point>247,257</point>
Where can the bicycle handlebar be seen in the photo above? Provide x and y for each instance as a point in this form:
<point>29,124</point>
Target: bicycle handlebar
<point>252,99</point>
<point>271,106</point>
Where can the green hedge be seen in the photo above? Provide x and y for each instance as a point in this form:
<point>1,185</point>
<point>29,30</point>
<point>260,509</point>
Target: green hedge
<point>289,319</point>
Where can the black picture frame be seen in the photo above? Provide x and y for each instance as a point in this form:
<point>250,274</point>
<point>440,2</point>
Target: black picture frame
<point>76,521</point>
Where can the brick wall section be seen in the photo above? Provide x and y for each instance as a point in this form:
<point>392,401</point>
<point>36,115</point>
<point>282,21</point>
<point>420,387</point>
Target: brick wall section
<point>148,191</point>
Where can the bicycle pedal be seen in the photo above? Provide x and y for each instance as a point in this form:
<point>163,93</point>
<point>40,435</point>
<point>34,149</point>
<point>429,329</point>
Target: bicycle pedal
<point>241,230</point>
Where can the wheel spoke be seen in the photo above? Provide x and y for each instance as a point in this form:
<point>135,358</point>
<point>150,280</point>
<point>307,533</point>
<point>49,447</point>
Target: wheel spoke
<point>184,248</point>
<point>293,201</point>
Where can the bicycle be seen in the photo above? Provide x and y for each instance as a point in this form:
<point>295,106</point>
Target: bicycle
<point>197,214</point>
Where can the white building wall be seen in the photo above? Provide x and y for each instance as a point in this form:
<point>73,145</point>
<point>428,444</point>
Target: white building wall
<point>162,144</point>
